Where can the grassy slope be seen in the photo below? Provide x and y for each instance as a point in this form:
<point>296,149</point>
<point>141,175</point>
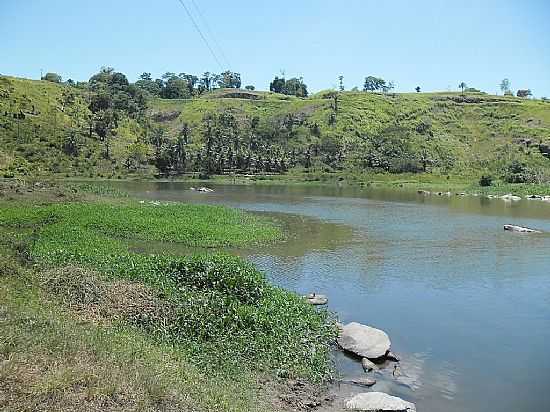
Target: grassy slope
<point>84,302</point>
<point>482,135</point>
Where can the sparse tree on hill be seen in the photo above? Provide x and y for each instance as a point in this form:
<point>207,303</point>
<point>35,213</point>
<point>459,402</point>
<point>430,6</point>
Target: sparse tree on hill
<point>250,87</point>
<point>341,83</point>
<point>417,88</point>
<point>505,86</point>
<point>52,77</point>
<point>462,86</point>
<point>524,93</point>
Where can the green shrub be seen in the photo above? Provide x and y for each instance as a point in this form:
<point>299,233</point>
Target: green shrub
<point>485,181</point>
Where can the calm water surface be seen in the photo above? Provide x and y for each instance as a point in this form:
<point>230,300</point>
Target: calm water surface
<point>466,305</point>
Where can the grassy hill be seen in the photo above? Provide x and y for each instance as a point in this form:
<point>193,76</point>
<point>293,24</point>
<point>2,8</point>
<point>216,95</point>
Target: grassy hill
<point>46,128</point>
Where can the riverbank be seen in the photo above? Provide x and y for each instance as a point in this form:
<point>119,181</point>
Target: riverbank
<point>414,182</point>
<point>77,302</point>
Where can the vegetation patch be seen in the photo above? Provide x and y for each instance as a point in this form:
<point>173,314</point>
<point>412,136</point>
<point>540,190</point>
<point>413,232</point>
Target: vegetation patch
<point>219,309</point>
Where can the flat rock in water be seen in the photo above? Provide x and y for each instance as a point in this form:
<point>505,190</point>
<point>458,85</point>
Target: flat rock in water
<point>378,401</point>
<point>520,229</point>
<point>314,299</point>
<point>364,341</point>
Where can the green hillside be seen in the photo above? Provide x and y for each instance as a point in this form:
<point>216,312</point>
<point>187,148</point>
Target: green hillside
<point>49,129</point>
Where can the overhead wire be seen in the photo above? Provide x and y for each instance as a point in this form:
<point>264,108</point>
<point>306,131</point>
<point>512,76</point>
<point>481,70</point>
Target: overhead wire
<point>211,33</point>
<point>201,34</point>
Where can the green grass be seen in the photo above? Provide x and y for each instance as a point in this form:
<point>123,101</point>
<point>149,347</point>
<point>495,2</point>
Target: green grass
<point>51,359</point>
<point>224,312</point>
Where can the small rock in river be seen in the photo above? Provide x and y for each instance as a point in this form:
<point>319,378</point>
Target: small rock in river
<point>314,299</point>
<point>378,401</point>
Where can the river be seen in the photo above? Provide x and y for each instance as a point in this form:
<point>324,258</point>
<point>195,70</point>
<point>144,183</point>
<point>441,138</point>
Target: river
<point>466,304</point>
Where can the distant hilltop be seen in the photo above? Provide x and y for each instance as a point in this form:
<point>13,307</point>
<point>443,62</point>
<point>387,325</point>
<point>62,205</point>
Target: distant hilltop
<point>109,127</point>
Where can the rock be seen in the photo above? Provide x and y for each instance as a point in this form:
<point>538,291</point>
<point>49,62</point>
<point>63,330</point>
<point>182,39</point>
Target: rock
<point>535,197</point>
<point>510,197</point>
<point>314,299</point>
<point>364,341</point>
<point>205,189</point>
<point>366,382</point>
<point>423,192</point>
<point>368,365</point>
<point>461,194</point>
<point>520,229</point>
<point>392,356</point>
<point>377,402</point>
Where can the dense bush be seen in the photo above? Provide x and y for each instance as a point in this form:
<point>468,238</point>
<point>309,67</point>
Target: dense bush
<point>518,172</point>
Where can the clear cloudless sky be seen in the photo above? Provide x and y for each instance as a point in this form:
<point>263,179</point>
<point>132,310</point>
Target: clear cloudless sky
<point>428,43</point>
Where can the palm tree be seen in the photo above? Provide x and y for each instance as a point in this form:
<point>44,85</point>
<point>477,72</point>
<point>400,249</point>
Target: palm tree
<point>462,86</point>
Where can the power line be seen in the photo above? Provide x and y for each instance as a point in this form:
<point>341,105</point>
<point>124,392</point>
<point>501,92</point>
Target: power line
<point>212,36</point>
<point>200,33</point>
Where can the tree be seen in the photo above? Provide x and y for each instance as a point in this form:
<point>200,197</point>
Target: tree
<point>505,86</point>
<point>147,84</point>
<point>417,88</point>
<point>374,83</point>
<point>277,85</point>
<point>52,77</point>
<point>249,87</point>
<point>341,83</point>
<point>524,93</point>
<point>294,86</point>
<point>230,80</point>
<point>462,86</point>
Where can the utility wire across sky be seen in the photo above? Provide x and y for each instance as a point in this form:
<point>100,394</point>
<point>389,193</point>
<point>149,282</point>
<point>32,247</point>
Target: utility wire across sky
<point>204,39</point>
<point>211,33</point>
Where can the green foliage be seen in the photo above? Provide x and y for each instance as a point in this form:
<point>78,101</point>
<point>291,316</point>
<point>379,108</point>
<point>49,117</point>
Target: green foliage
<point>294,87</point>
<point>52,77</point>
<point>485,181</point>
<point>226,313</point>
<point>518,172</point>
<point>232,132</point>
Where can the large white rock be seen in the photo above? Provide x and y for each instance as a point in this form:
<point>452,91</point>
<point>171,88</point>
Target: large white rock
<point>378,401</point>
<point>364,341</point>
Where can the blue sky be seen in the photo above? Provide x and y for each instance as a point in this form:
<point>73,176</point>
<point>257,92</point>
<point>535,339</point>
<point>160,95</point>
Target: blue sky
<point>432,44</point>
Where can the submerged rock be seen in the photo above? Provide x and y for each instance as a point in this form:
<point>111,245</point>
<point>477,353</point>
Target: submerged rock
<point>364,341</point>
<point>314,299</point>
<point>379,401</point>
<point>366,382</point>
<point>424,192</point>
<point>520,229</point>
<point>201,189</point>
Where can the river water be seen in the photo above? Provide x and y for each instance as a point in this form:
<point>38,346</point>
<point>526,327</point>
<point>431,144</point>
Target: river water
<point>466,305</point>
